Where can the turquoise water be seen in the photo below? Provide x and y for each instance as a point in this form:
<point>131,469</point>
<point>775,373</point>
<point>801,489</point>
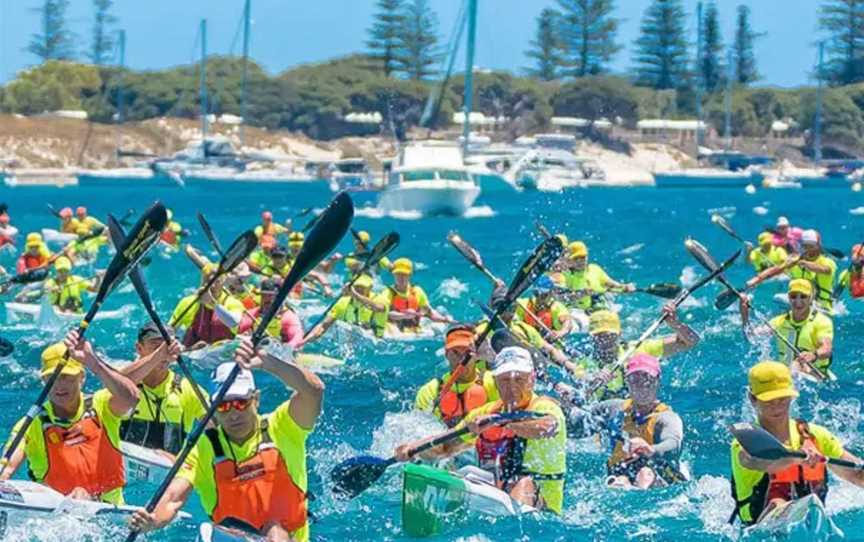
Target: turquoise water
<point>636,234</point>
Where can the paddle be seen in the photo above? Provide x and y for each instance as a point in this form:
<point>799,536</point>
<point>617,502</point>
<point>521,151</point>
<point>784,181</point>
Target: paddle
<point>239,250</point>
<point>700,253</point>
<point>381,249</point>
<point>356,235</point>
<point>332,225</point>
<point>208,231</point>
<point>685,293</point>
<point>137,278</point>
<point>53,210</point>
<point>543,257</point>
<point>124,220</point>
<point>542,229</point>
<point>31,275</point>
<point>353,476</point>
<point>472,255</point>
<point>141,239</point>
<point>761,444</point>
<point>666,290</point>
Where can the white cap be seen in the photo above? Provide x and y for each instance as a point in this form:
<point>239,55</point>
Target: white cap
<point>242,271</point>
<point>782,221</point>
<point>242,387</point>
<point>810,237</point>
<point>513,359</point>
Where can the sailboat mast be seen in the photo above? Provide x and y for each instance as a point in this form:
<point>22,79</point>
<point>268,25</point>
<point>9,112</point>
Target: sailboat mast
<point>817,122</point>
<point>121,113</point>
<point>699,136</point>
<point>247,14</point>
<point>727,133</point>
<point>203,86</point>
<point>469,75</point>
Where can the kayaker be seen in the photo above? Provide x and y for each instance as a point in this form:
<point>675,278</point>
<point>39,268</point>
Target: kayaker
<point>36,254</point>
<point>295,243</point>
<point>853,278</point>
<point>542,312</point>
<point>261,260</point>
<point>285,326</point>
<point>645,435</point>
<point>812,265</point>
<point>268,227</point>
<point>173,234</point>
<point>759,485</point>
<point>236,282</point>
<point>406,302</point>
<point>269,498</point>
<point>585,283</point>
<point>83,219</point>
<point>213,319</point>
<point>68,222</point>
<point>168,406</point>
<point>65,291</point>
<point>811,331</point>
<point>8,232</point>
<point>85,247</point>
<point>73,445</point>
<point>358,306</point>
<point>528,458</point>
<point>767,254</point>
<point>604,370</point>
<point>473,389</point>
<point>786,236</point>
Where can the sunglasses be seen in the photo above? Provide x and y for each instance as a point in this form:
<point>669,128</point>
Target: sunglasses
<point>237,404</point>
<point>798,296</point>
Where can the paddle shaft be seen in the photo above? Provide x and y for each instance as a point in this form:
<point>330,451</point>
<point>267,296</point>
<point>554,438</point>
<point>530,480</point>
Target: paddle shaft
<point>208,231</point>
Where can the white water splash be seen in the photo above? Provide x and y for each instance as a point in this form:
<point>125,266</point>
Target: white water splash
<point>688,276</point>
<point>759,210</point>
<point>631,249</point>
<point>482,211</point>
<point>452,288</point>
<point>857,211</point>
<point>401,427</point>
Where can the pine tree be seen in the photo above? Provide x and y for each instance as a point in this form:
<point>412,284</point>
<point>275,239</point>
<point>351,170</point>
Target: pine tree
<point>743,54</point>
<point>843,22</point>
<point>383,44</point>
<point>547,49</point>
<point>710,65</point>
<point>103,41</point>
<point>661,51</point>
<point>56,41</point>
<point>418,41</point>
<point>588,32</point>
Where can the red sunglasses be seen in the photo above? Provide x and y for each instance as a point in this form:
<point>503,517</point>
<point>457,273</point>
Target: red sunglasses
<point>237,404</point>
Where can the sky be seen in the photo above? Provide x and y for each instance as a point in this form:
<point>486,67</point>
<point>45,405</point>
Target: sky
<point>285,33</point>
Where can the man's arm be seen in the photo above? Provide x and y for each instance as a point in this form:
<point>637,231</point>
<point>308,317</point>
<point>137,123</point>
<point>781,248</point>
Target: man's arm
<point>171,502</point>
<point>143,366</point>
<point>124,394</point>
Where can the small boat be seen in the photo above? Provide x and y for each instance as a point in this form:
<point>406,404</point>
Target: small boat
<point>145,464</point>
<point>707,178</point>
<point>433,498</point>
<point>350,174</point>
<point>431,179</point>
<point>804,519</point>
<point>554,170</point>
<point>208,532</point>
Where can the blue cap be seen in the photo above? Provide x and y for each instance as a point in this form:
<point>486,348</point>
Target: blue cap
<point>544,285</point>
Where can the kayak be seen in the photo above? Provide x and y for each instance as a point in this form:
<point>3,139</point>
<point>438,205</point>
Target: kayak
<point>212,355</point>
<point>22,501</point>
<point>145,464</point>
<point>803,519</point>
<point>54,236</point>
<point>392,333</point>
<point>49,316</point>
<point>207,532</point>
<point>433,498</point>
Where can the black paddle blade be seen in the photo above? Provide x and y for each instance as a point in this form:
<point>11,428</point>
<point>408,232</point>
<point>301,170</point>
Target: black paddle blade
<point>239,250</point>
<point>698,251</point>
<point>666,290</point>
<point>382,248</point>
<point>759,443</point>
<point>143,236</point>
<point>6,347</point>
<point>540,261</point>
<point>33,275</point>
<point>330,227</point>
<point>208,231</point>
<point>836,252</point>
<point>725,300</point>
<point>721,222</point>
<point>354,476</point>
<point>135,275</point>
<point>466,250</point>
<point>356,235</point>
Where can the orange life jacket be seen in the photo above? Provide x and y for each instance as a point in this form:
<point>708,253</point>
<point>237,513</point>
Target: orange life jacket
<point>545,316</point>
<point>401,303</point>
<point>32,262</point>
<point>169,237</point>
<point>453,406</point>
<point>258,492</point>
<point>82,455</point>
<point>856,284</point>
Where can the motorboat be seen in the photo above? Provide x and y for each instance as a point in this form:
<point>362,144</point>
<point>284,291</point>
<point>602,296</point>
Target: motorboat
<point>553,170</point>
<point>350,174</point>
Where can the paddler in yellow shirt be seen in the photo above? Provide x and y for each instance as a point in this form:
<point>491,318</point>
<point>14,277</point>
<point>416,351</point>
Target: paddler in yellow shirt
<point>544,313</point>
<point>83,219</point>
<point>65,290</point>
<point>587,282</point>
<point>767,254</point>
<point>270,500</point>
<point>758,485</point>
<point>358,306</point>
<point>407,302</point>
<point>73,444</point>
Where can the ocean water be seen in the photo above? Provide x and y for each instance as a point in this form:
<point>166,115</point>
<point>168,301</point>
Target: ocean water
<point>635,234</point>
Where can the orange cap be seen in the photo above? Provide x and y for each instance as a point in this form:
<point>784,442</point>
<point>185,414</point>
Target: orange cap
<point>459,338</point>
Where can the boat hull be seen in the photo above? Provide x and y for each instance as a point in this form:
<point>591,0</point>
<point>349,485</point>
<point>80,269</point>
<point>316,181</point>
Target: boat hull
<point>804,519</point>
<point>828,181</point>
<point>683,179</point>
<point>429,198</point>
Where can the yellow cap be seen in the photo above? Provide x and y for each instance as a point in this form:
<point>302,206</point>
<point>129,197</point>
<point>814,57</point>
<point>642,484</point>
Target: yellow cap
<point>364,281</point>
<point>364,236</point>
<point>63,264</point>
<point>801,286</point>
<point>771,380</point>
<point>351,263</point>
<point>766,237</point>
<point>403,265</point>
<point>296,239</point>
<point>53,355</point>
<point>578,249</point>
<point>33,240</point>
<point>604,322</point>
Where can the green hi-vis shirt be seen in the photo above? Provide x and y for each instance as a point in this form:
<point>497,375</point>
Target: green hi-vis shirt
<point>67,296</point>
<point>177,406</point>
<point>762,261</point>
<point>616,387</point>
<point>286,434</point>
<point>520,330</point>
<point>806,335</point>
<point>746,480</point>
<point>34,440</point>
<point>823,283</point>
<point>543,456</point>
<point>350,311</point>
<point>592,278</point>
<point>428,393</point>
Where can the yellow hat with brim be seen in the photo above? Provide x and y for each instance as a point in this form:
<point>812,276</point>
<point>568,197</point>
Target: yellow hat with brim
<point>364,281</point>
<point>53,356</point>
<point>578,249</point>
<point>801,286</point>
<point>765,237</point>
<point>33,240</point>
<point>63,264</point>
<point>771,380</point>
<point>404,266</point>
<point>604,322</point>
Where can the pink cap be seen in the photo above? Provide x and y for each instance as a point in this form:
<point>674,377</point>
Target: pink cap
<point>266,215</point>
<point>66,212</point>
<point>81,211</point>
<point>4,218</point>
<point>644,363</point>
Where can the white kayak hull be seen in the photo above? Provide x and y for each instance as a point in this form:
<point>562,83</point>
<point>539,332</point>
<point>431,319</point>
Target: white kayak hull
<point>211,356</point>
<point>45,313</point>
<point>57,237</point>
<point>144,464</point>
<point>207,532</point>
<point>803,519</point>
